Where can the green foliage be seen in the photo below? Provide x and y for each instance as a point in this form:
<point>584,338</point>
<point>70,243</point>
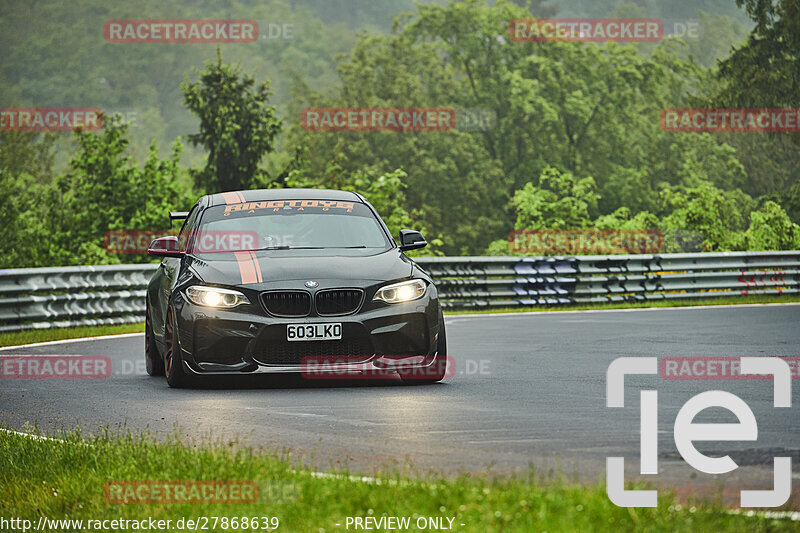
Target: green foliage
<point>769,62</point>
<point>21,209</point>
<point>589,109</point>
<point>27,152</point>
<point>237,127</point>
<point>623,219</point>
<point>715,214</point>
<point>557,201</point>
<point>771,229</point>
<point>575,141</point>
<point>65,223</point>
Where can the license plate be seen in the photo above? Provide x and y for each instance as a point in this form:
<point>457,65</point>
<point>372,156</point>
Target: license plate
<point>313,332</point>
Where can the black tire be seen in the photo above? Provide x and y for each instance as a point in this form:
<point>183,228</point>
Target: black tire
<point>154,363</point>
<point>177,377</point>
<point>438,369</point>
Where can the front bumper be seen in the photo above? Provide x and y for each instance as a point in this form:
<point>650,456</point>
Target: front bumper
<point>374,341</point>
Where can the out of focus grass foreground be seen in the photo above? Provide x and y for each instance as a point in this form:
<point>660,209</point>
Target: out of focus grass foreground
<point>66,478</point>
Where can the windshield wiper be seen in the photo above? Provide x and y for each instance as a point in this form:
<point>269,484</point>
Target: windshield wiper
<point>289,248</point>
<point>309,248</point>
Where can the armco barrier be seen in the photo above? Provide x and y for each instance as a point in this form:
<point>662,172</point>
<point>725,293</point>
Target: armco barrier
<point>92,295</point>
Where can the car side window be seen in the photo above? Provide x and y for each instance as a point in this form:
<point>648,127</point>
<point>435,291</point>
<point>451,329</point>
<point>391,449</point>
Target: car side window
<point>186,231</point>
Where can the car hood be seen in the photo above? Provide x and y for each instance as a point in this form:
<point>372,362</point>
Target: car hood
<point>265,268</point>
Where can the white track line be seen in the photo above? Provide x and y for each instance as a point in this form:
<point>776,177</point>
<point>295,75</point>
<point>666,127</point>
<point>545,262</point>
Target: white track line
<point>68,341</point>
<point>633,310</point>
<point>451,318</point>
<point>30,435</point>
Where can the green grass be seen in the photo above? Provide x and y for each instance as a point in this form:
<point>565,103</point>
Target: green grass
<point>52,334</point>
<point>66,479</point>
<point>737,300</point>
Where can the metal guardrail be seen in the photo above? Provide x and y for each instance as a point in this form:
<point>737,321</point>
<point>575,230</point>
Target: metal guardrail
<point>115,294</point>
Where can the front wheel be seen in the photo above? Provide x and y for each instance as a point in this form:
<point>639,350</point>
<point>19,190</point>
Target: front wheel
<point>173,360</point>
<point>154,363</point>
<point>438,369</point>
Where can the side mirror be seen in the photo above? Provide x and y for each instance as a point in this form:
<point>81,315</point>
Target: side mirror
<point>165,247</point>
<point>177,215</point>
<point>411,240</point>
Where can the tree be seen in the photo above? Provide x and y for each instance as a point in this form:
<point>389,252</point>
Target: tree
<point>557,201</point>
<point>765,71</point>
<point>106,190</point>
<point>27,152</point>
<point>771,229</point>
<point>589,109</point>
<point>237,127</point>
<point>718,216</point>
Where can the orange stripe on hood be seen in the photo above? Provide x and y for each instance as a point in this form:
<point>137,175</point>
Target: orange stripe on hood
<point>257,266</point>
<point>248,268</point>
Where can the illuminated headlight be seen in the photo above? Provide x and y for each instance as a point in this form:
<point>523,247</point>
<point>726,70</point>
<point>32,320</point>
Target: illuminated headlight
<point>216,297</point>
<point>401,292</point>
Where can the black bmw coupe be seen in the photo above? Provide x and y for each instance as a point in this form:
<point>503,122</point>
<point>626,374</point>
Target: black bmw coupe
<point>303,281</point>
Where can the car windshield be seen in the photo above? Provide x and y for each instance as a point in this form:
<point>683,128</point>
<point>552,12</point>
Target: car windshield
<point>290,225</point>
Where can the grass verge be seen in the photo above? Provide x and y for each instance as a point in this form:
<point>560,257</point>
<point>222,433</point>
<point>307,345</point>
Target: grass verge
<point>67,480</point>
<point>16,338</point>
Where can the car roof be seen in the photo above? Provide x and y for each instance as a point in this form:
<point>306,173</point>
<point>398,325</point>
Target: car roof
<point>260,195</point>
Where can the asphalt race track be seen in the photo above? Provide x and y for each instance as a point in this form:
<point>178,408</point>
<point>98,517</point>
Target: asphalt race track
<point>528,389</point>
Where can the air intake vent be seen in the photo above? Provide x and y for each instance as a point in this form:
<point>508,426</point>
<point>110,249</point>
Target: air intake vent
<point>287,303</point>
<point>337,302</point>
<point>281,352</point>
